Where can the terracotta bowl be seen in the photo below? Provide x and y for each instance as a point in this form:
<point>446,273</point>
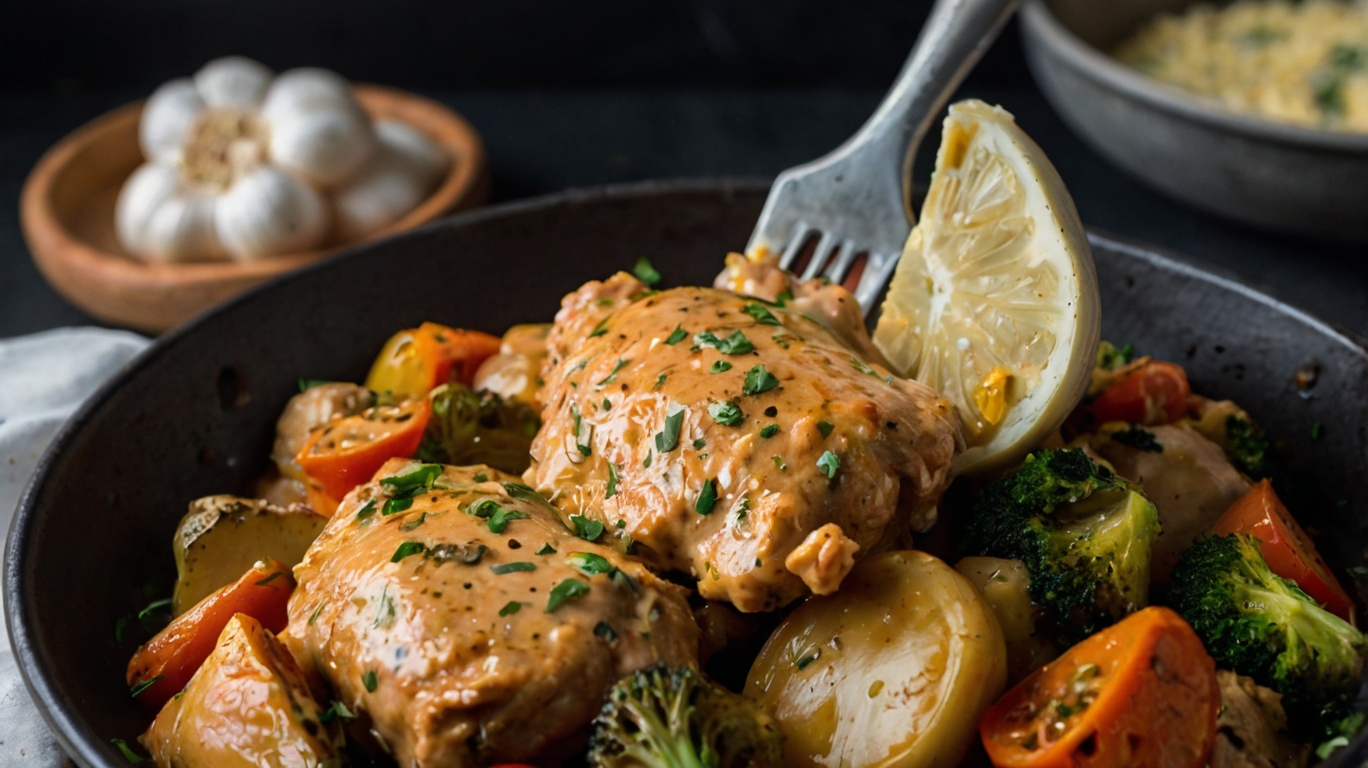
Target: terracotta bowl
<point>67,211</point>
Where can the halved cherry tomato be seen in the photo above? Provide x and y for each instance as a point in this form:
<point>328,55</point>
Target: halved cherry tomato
<point>1286,547</point>
<point>171,658</point>
<point>1139,694</point>
<point>414,361</point>
<point>1155,392</point>
<point>345,452</point>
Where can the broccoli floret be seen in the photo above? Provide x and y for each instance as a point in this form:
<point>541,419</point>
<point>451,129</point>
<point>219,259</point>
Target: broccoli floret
<point>674,718</point>
<point>1110,357</point>
<point>1247,447</point>
<point>1260,625</point>
<point>1084,534</point>
<point>478,428</point>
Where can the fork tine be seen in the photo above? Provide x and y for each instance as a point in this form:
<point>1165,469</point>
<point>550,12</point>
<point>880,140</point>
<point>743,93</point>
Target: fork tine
<point>878,270</point>
<point>795,245</point>
<point>836,271</point>
<point>820,256</point>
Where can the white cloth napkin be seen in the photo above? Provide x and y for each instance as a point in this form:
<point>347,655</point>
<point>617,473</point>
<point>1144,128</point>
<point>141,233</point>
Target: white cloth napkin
<point>43,379</point>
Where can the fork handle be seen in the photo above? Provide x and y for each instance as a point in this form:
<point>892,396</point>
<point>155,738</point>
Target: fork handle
<point>953,39</point>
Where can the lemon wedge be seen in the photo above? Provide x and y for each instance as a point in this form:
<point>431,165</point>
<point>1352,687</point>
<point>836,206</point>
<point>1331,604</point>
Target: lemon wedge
<point>995,302</point>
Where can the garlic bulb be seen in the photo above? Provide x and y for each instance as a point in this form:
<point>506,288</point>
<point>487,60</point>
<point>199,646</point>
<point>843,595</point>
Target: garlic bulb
<point>245,164</point>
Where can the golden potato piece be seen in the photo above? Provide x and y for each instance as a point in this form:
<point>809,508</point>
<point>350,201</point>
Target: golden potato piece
<point>222,536</point>
<point>894,670</point>
<point>247,707</point>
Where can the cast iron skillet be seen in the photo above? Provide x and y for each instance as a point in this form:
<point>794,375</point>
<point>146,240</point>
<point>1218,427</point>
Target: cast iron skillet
<point>194,414</point>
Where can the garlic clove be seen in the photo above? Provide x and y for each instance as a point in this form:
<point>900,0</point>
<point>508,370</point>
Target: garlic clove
<point>233,81</point>
<point>182,228</point>
<point>166,117</point>
<point>325,145</point>
<point>386,189</point>
<point>270,212</point>
<point>427,159</point>
<point>306,89</point>
<point>143,192</point>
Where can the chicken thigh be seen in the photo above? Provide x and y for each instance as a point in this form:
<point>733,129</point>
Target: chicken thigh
<point>735,440</point>
<point>457,614</point>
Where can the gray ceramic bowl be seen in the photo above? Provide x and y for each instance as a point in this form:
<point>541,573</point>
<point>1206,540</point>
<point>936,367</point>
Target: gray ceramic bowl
<point>1267,174</point>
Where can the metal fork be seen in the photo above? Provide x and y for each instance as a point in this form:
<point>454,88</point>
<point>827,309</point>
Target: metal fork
<point>857,199</point>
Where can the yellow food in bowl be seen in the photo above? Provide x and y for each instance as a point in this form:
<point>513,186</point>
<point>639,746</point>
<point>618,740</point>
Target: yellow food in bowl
<point>1303,63</point>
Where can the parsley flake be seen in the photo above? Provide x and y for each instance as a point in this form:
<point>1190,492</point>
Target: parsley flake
<point>422,477</point>
<point>720,366</point>
<point>366,510</point>
<point>769,431</point>
<point>395,506</point>
<point>676,336</point>
<point>600,329</point>
<point>338,709</point>
<point>515,567</point>
<point>122,746</point>
<point>585,528</point>
<point>406,549</point>
<point>735,344</point>
<point>758,380</point>
<point>762,316</point>
<point>828,463</point>
<point>825,428</point>
<point>706,498</point>
<point>604,630</point>
<point>546,549</point>
<point>863,368</point>
<point>612,482</point>
<point>370,681</point>
<point>570,589</point>
<point>646,273</point>
<point>727,414</point>
<point>589,563</point>
<point>143,685</point>
<point>510,608</point>
<point>779,462</point>
<point>612,376</point>
<point>667,439</point>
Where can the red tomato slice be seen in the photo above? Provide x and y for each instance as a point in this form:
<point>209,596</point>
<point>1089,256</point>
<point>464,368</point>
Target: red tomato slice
<point>1154,393</point>
<point>164,664</point>
<point>1286,547</point>
<point>346,452</point>
<point>414,361</point>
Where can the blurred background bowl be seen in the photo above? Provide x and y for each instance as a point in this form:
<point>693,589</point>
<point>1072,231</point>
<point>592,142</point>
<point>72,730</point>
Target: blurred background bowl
<point>1267,174</point>
<point>67,210</point>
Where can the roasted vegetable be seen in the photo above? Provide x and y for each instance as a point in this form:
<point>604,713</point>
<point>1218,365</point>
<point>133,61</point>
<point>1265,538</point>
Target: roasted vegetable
<point>1285,547</point>
<point>248,706</point>
<point>222,536</point>
<point>414,361</point>
<point>893,670</point>
<point>346,452</point>
<point>1006,585</point>
<point>1148,392</point>
<point>1083,533</point>
<point>1260,625</point>
<point>164,664</point>
<point>1140,694</point>
<point>675,718</point>
<point>316,404</point>
<point>470,428</point>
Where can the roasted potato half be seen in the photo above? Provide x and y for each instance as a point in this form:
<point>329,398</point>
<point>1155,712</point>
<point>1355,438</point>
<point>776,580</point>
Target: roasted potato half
<point>247,707</point>
<point>222,536</point>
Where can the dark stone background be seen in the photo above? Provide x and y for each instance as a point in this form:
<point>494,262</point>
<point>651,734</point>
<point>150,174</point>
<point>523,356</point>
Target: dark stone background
<point>576,94</point>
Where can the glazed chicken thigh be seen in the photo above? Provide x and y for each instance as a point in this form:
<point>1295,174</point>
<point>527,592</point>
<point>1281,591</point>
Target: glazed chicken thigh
<point>467,625</point>
<point>735,440</point>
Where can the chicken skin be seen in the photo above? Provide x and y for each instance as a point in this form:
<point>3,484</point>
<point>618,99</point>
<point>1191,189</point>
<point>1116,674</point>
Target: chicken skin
<point>467,625</point>
<point>735,440</point>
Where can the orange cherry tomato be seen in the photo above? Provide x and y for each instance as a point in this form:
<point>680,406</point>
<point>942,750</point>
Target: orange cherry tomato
<point>414,361</point>
<point>346,452</point>
<point>1153,393</point>
<point>1139,694</point>
<point>168,661</point>
<point>1285,546</point>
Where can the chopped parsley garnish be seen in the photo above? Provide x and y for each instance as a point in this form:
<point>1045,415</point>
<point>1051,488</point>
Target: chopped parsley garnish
<point>585,528</point>
<point>660,380</point>
<point>599,329</point>
<point>314,616</point>
<point>589,563</point>
<point>699,443</point>
<point>1138,438</point>
<point>584,431</point>
<point>783,299</point>
<point>646,462</point>
<point>779,462</point>
<point>769,431</point>
<point>395,506</point>
<point>735,344</point>
<point>414,523</point>
<point>496,517</point>
<point>366,510</point>
<point>828,463</point>
<point>510,608</point>
<point>408,548</point>
<point>825,428</point>
<point>607,404</point>
<point>370,681</point>
<point>546,549</point>
<point>678,335</point>
<point>612,489</point>
<point>514,567</point>
<point>803,663</point>
<point>707,497</point>
<point>612,376</point>
<point>604,630</point>
<point>727,414</point>
<point>308,384</point>
<point>338,709</point>
<point>864,368</point>
<point>720,366</point>
<point>122,746</point>
<point>481,477</point>
<point>758,380</point>
<point>143,685</point>
<point>762,316</point>
<point>667,439</point>
<point>466,554</point>
<point>384,618</point>
<point>570,589</point>
<point>274,575</point>
<point>646,273</point>
<point>422,477</point>
<point>153,607</point>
